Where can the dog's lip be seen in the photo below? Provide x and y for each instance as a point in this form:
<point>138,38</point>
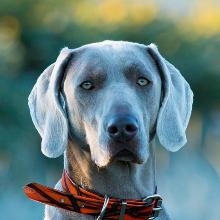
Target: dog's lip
<point>125,155</point>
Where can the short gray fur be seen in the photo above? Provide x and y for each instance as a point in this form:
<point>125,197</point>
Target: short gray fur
<point>72,121</point>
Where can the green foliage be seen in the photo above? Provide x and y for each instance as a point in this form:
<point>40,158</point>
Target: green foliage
<point>32,32</point>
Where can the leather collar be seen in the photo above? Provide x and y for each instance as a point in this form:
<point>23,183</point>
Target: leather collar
<point>77,199</point>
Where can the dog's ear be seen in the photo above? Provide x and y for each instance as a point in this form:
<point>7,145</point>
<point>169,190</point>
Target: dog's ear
<point>176,106</point>
<point>47,107</point>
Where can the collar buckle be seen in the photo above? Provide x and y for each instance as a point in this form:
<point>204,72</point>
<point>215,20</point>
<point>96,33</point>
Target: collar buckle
<point>156,210</point>
<point>104,207</point>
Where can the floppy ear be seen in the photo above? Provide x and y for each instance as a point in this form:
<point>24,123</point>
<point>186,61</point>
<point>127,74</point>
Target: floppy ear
<point>45,103</point>
<point>176,103</point>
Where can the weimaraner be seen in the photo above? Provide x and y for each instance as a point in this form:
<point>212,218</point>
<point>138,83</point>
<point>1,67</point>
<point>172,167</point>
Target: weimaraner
<point>102,105</point>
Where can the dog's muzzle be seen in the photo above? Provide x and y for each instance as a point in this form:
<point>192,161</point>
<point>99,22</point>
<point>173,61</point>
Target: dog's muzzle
<point>122,131</point>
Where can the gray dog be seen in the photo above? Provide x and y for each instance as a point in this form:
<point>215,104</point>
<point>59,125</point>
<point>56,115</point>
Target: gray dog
<point>102,105</point>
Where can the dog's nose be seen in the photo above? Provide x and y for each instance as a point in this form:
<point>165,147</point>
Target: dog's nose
<point>122,128</point>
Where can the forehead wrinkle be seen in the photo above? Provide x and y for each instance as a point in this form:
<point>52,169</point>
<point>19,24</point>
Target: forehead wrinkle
<point>110,61</point>
<point>145,61</point>
<point>88,64</point>
<point>134,64</point>
<point>136,67</point>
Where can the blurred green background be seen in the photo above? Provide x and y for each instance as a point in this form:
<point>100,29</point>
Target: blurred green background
<point>32,32</point>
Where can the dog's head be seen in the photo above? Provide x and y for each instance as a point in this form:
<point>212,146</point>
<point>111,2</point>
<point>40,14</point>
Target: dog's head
<point>114,97</point>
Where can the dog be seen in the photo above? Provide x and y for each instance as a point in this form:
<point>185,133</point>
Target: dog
<point>102,105</point>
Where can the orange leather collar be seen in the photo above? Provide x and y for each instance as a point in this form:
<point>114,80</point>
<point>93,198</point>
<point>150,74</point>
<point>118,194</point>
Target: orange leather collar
<point>75,198</point>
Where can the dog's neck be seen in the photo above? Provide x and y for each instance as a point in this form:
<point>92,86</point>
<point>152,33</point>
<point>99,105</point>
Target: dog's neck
<point>120,179</point>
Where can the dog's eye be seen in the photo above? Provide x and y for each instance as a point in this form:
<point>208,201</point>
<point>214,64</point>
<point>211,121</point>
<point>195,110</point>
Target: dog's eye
<point>87,85</point>
<point>142,81</point>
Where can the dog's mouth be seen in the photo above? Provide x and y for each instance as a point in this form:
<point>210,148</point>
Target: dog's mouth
<point>124,155</point>
<point>133,152</point>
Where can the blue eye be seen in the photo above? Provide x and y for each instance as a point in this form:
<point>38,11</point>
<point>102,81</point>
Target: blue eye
<point>87,85</point>
<point>142,81</point>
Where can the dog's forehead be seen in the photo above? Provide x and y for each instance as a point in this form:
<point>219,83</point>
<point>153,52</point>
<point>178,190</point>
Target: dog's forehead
<point>116,49</point>
<point>111,59</point>
<point>111,54</point>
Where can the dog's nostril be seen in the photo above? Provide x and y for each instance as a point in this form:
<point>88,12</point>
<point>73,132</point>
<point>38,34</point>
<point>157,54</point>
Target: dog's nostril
<point>112,129</point>
<point>122,128</point>
<point>131,128</point>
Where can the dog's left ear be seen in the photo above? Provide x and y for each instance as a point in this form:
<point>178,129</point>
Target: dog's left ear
<point>47,107</point>
<point>176,105</point>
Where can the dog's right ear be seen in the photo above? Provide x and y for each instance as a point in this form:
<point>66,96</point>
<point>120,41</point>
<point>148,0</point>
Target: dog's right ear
<point>45,103</point>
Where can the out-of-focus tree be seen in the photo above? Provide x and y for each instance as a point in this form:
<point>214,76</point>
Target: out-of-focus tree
<point>32,32</point>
